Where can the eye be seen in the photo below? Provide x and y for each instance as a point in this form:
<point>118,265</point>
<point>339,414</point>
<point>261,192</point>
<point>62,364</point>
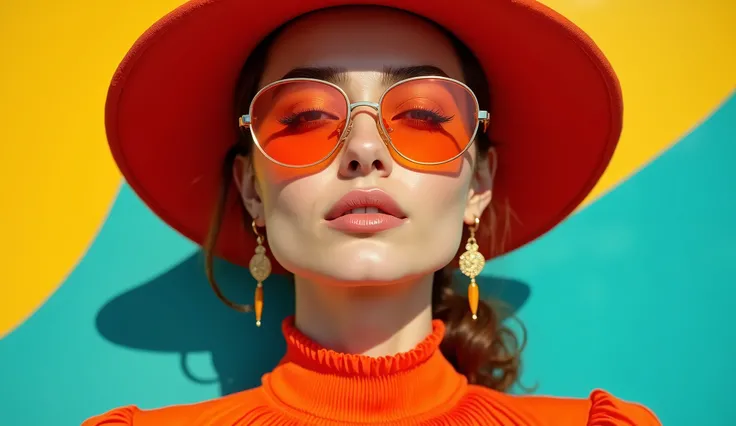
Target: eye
<point>306,117</point>
<point>423,117</point>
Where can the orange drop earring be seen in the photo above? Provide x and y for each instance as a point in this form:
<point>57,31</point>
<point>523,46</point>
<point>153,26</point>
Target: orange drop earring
<point>471,264</point>
<point>260,269</point>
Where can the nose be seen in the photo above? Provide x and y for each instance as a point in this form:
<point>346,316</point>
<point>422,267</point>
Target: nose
<point>364,151</point>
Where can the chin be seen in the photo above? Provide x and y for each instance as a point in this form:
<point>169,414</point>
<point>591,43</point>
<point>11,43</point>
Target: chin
<point>369,266</point>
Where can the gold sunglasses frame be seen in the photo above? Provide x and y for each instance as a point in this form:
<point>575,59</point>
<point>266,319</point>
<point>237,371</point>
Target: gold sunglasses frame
<point>482,117</point>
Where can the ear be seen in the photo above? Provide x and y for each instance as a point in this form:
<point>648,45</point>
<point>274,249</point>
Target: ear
<point>245,179</point>
<point>480,193</point>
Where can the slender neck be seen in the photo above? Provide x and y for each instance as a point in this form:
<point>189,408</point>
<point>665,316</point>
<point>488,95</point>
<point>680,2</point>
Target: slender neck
<point>368,320</point>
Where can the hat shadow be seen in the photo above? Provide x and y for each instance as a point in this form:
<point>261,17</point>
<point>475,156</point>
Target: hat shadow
<point>177,312</point>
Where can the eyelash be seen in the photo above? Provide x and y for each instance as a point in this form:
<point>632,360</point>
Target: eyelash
<point>288,119</point>
<point>438,117</point>
<point>291,118</point>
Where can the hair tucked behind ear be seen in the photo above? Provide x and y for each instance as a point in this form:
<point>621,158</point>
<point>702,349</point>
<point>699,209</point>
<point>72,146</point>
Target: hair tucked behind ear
<point>483,350</point>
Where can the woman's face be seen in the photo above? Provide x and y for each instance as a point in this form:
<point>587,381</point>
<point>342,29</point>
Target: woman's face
<point>295,204</point>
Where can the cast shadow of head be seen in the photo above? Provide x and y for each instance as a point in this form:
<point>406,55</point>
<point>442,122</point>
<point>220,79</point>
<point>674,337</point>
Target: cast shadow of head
<point>177,312</point>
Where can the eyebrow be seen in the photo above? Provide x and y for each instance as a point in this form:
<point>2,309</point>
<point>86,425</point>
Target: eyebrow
<point>390,76</point>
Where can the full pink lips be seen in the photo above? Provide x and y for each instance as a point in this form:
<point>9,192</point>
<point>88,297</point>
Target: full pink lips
<point>389,213</point>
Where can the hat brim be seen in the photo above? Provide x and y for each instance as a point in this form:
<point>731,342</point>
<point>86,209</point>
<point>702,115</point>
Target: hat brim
<point>556,112</point>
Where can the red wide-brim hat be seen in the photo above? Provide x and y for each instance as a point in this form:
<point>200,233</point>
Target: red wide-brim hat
<point>556,112</point>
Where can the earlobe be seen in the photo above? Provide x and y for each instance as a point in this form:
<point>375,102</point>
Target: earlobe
<point>478,202</point>
<point>245,181</point>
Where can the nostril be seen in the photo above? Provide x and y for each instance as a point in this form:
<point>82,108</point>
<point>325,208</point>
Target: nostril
<point>354,165</point>
<point>378,165</point>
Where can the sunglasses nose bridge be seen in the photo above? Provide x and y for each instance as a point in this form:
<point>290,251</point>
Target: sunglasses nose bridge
<point>372,105</point>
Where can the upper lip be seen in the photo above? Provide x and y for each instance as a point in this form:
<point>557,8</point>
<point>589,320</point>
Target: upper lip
<point>358,198</point>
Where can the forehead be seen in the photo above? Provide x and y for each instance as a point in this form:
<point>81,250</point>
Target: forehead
<point>360,39</point>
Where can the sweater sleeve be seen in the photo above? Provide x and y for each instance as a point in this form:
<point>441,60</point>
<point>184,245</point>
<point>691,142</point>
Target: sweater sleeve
<point>607,410</point>
<point>118,417</point>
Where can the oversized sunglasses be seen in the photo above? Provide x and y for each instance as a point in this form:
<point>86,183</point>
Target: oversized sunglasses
<point>301,122</point>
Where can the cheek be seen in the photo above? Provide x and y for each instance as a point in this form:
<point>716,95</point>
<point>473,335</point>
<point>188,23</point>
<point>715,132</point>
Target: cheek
<point>287,192</point>
<point>290,208</point>
<point>438,205</point>
<point>439,190</point>
<point>278,176</point>
<point>440,198</point>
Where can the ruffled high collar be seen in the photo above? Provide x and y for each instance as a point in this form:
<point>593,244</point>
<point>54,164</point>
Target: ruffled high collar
<point>345,387</point>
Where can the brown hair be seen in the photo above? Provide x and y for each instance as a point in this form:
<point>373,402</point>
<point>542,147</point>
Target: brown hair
<point>484,350</point>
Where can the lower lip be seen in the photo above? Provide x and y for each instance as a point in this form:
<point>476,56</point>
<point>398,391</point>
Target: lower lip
<point>365,223</point>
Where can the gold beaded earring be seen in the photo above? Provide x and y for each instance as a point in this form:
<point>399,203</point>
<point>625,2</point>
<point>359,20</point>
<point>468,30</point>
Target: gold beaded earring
<point>260,269</point>
<point>471,264</point>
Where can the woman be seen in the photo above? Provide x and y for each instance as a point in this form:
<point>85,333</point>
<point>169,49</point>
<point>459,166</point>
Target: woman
<point>368,151</point>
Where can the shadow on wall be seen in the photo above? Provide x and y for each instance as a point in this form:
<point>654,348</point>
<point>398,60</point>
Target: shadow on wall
<point>177,312</point>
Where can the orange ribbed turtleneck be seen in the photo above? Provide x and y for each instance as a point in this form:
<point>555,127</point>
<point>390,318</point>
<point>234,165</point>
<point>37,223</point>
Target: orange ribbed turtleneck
<point>350,388</point>
<point>316,386</point>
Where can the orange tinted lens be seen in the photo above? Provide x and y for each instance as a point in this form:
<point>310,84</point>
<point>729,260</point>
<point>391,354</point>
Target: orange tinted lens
<point>298,123</point>
<point>429,120</point>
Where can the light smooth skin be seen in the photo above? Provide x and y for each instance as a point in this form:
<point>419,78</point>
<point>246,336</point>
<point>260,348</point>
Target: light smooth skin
<point>367,295</point>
